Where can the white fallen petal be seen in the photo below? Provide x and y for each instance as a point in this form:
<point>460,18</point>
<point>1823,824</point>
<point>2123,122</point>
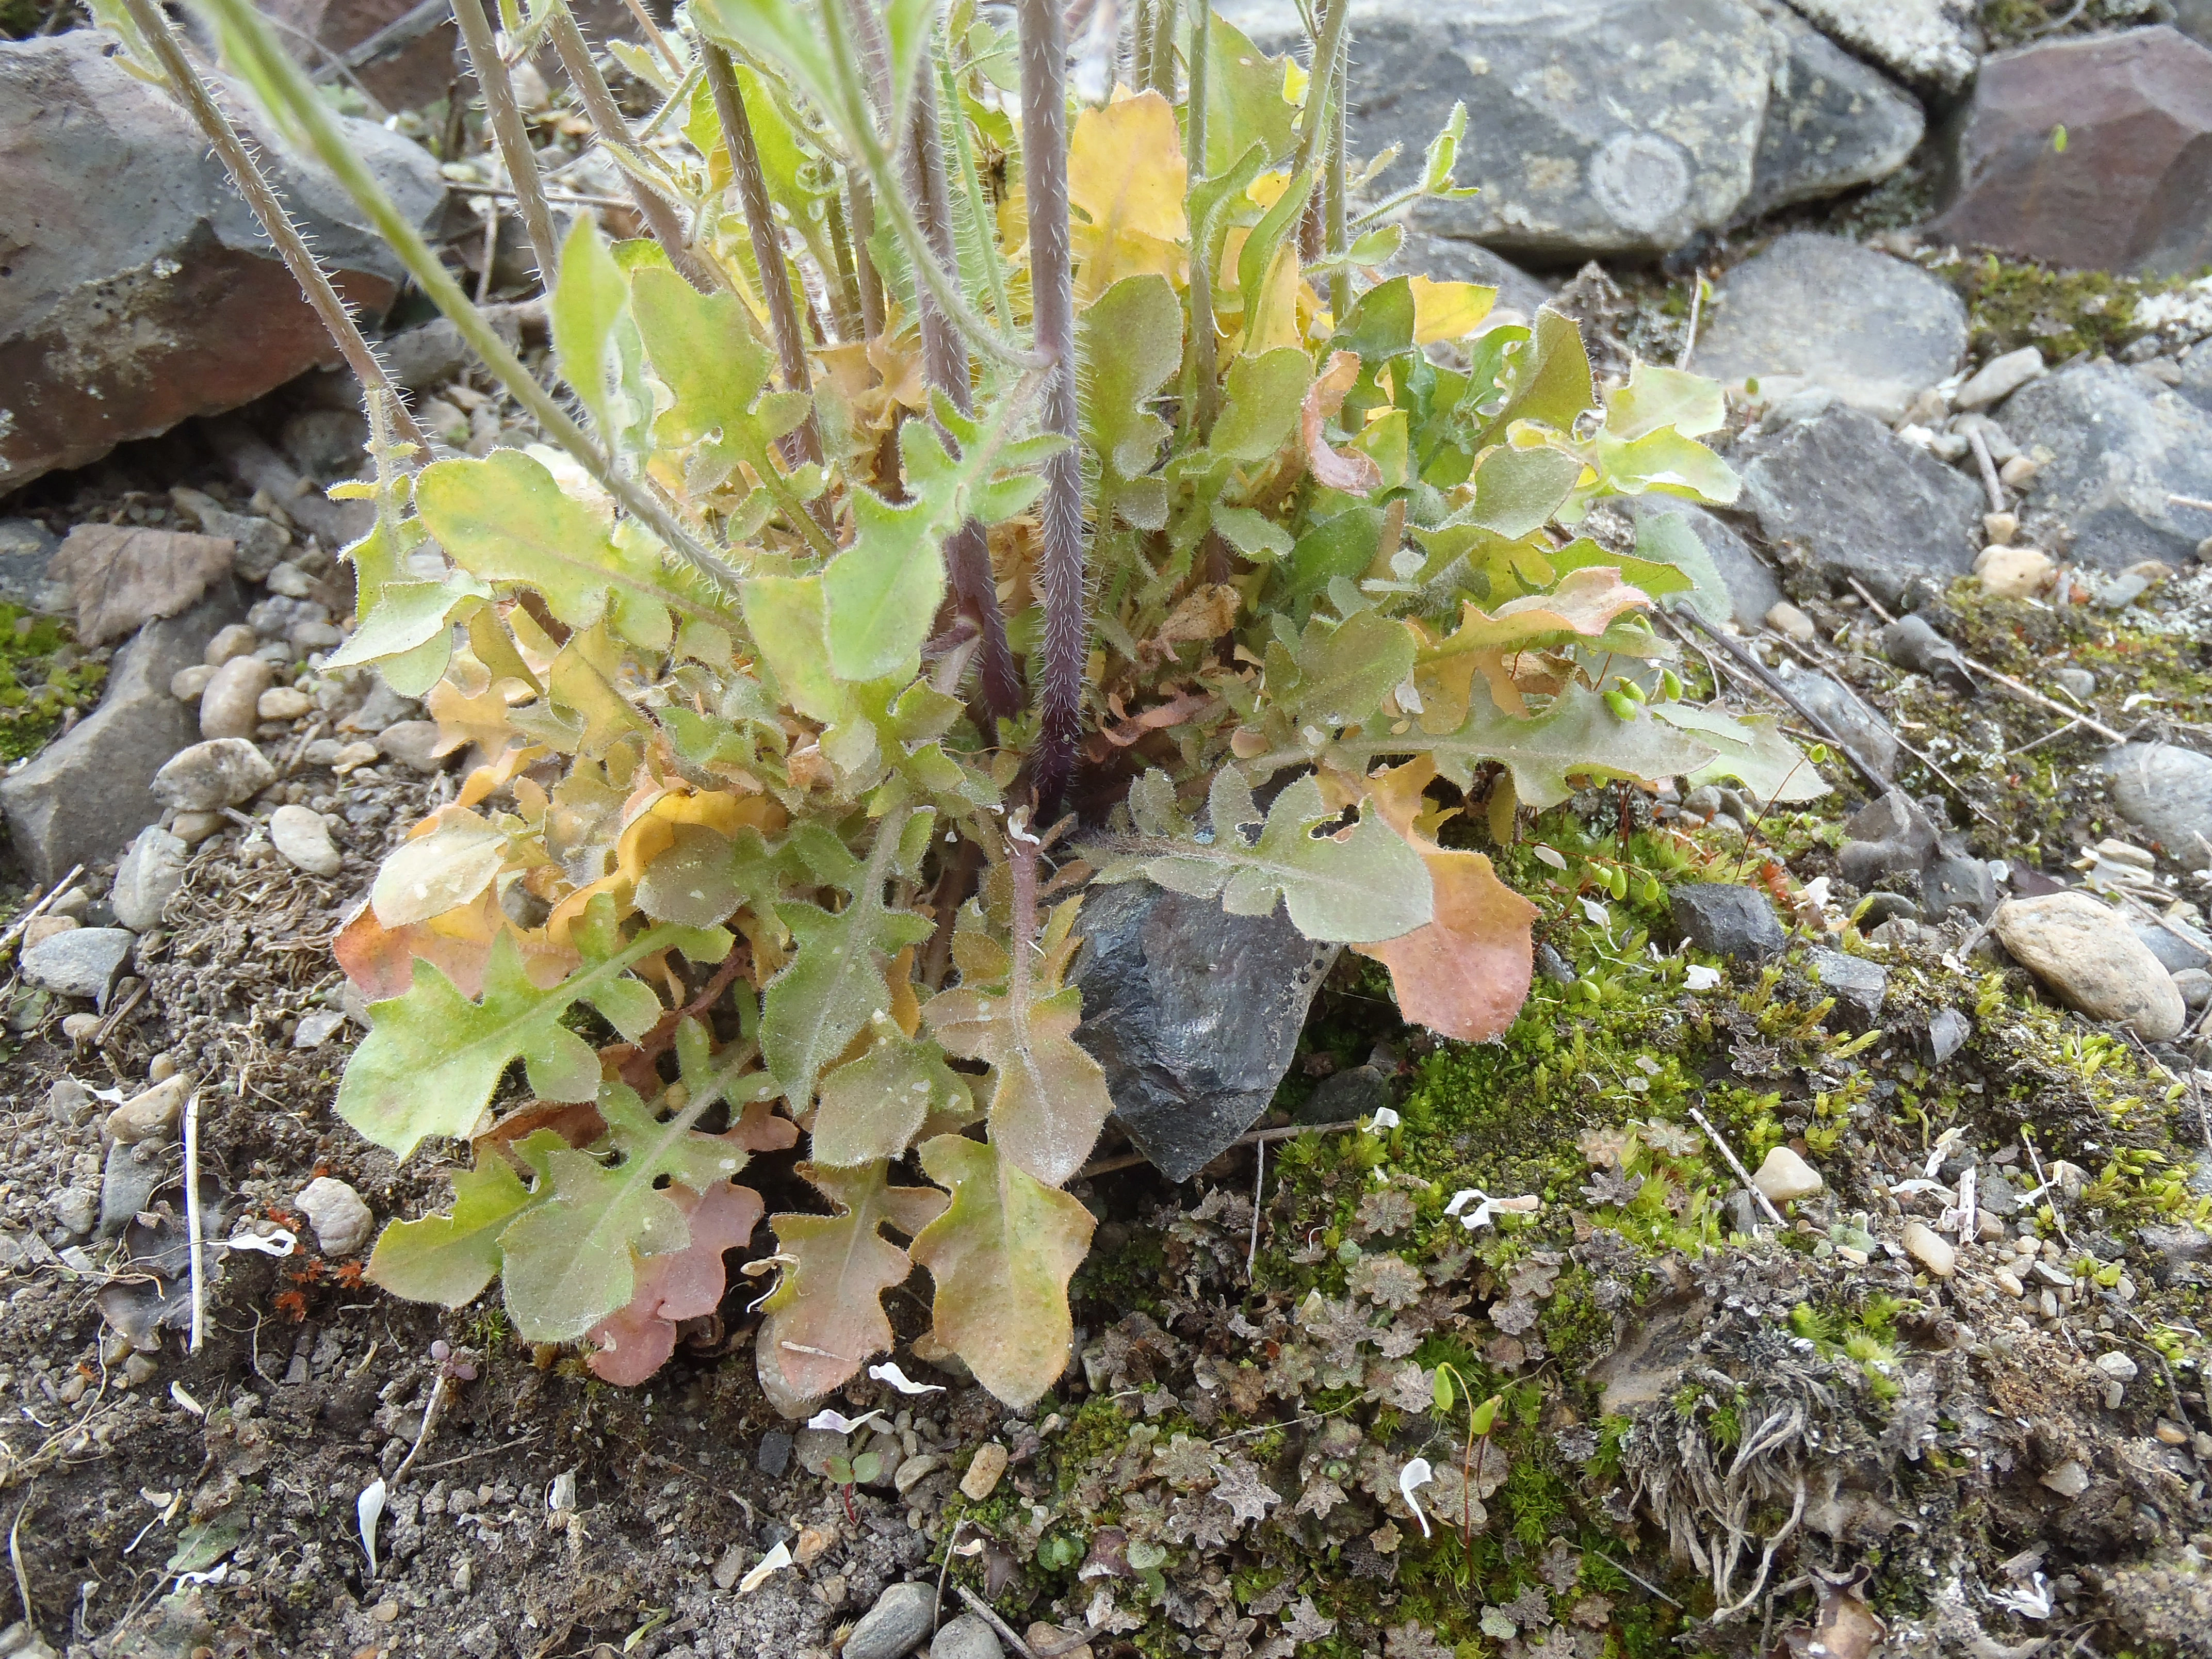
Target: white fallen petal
<point>1385,1118</point>
<point>1699,977</point>
<point>279,1243</point>
<point>1415,1474</point>
<point>838,1423</point>
<point>774,1562</point>
<point>220,1571</point>
<point>888,1373</point>
<point>561,1494</point>
<point>1598,914</point>
<point>1459,1200</point>
<point>368,1509</point>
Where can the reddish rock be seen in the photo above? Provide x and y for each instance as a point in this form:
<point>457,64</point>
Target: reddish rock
<point>136,289</point>
<point>2132,188</point>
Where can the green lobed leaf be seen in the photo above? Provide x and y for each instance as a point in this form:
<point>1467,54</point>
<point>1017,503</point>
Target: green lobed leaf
<point>1001,1255</point>
<point>1244,103</point>
<point>1577,736</point>
<point>1552,382</point>
<point>1126,344</point>
<point>408,617</point>
<point>872,1108</point>
<point>451,1258</point>
<point>1341,671</point>
<point>586,305</point>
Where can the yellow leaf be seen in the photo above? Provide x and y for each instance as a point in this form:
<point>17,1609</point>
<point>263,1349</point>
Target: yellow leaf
<point>1448,311</point>
<point>1126,174</point>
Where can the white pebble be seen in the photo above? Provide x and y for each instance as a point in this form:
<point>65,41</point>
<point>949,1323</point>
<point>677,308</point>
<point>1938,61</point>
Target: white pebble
<point>342,1222</point>
<point>304,839</point>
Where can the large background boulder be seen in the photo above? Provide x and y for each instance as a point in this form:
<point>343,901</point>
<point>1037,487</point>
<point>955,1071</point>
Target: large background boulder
<point>1832,121</point>
<point>1930,44</point>
<point>2132,188</point>
<point>2122,445</point>
<point>136,289</point>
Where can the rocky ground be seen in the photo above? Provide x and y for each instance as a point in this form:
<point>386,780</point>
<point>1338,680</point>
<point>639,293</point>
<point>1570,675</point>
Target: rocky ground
<point>1831,1228</point>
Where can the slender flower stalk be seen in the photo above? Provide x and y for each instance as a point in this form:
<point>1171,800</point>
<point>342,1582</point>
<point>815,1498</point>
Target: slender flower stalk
<point>606,118</point>
<point>1328,51</point>
<point>944,356</point>
<point>1204,347</point>
<point>1165,81</point>
<point>767,241</point>
<point>1052,286</point>
<point>862,212</point>
<point>261,197</point>
<point>1339,240</point>
<point>510,134</point>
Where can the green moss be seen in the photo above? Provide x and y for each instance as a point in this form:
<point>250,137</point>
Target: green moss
<point>41,680</point>
<point>2013,303</point>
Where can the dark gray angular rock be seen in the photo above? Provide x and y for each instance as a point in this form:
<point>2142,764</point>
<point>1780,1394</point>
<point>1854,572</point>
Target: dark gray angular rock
<point>1752,590</point>
<point>135,1169</point>
<point>1996,1194</point>
<point>2166,792</point>
<point>2181,1256</point>
<point>2121,444</point>
<point>1948,1031</point>
<point>1848,717</point>
<point>1356,1091</point>
<point>81,963</point>
<point>1594,126</point>
<point>1832,121</point>
<point>1955,881</point>
<point>773,1456</point>
<point>1735,922</point>
<point>1194,1014</point>
<point>1882,906</point>
<point>897,1624</point>
<point>1861,502</point>
<point>85,795</point>
<point>1859,986</point>
<point>138,288</point>
<point>1888,836</point>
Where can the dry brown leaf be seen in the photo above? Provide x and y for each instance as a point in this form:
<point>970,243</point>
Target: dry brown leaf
<point>125,575</point>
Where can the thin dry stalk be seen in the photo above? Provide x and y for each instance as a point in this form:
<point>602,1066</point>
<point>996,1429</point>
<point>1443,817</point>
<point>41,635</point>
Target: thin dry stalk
<point>511,135</point>
<point>193,1222</point>
<point>238,161</point>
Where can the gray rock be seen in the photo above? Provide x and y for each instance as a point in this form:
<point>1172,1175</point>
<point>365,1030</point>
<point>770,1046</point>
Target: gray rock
<point>1752,590</point>
<point>342,1222</point>
<point>81,963</point>
<point>1848,717</point>
<point>1356,1091</point>
<point>1925,43</point>
<point>1735,922</point>
<point>1995,1193</point>
<point>2176,953</point>
<point>147,879</point>
<point>1861,501</point>
<point>2182,1255</point>
<point>85,796</point>
<point>1955,881</point>
<point>1594,126</point>
<point>773,1456</point>
<point>1882,906</point>
<point>303,841</point>
<point>1888,836</point>
<point>1914,646</point>
<point>897,1624</point>
<point>2081,950</point>
<point>127,1184</point>
<point>966,1637</point>
<point>326,443</point>
<point>814,1448</point>
<point>1948,1031</point>
<point>1832,122</point>
<point>2121,444</point>
<point>1454,260</point>
<point>27,548</point>
<point>318,1027</point>
<point>2078,681</point>
<point>2195,985</point>
<point>2166,792</point>
<point>129,311</point>
<point>2126,193</point>
<point>1194,1014</point>
<point>412,744</point>
<point>75,1210</point>
<point>2195,383</point>
<point>210,775</point>
<point>1859,986</point>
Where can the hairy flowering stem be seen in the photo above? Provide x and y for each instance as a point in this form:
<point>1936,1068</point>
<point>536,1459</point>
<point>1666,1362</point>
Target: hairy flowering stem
<point>1052,286</point>
<point>261,197</point>
<point>606,118</point>
<point>248,37</point>
<point>510,134</point>
<point>1165,79</point>
<point>767,242</point>
<point>1205,346</point>
<point>945,357</point>
<point>1327,52</point>
<point>1338,242</point>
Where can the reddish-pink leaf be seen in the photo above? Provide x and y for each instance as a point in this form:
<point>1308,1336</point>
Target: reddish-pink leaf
<point>1339,468</point>
<point>686,1284</point>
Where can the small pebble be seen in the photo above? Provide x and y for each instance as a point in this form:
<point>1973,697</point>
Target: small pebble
<point>237,640</point>
<point>186,684</point>
<point>342,1222</point>
<point>1930,1250</point>
<point>914,1470</point>
<point>1786,618</point>
<point>1784,1177</point>
<point>2169,1432</point>
<point>897,1623</point>
<point>411,743</point>
<point>981,1478</point>
<point>208,776</point>
<point>2008,1282</point>
<point>39,929</point>
<point>2069,1479</point>
<point>151,1114</point>
<point>2117,1365</point>
<point>138,1371</point>
<point>302,837</point>
<point>317,1027</point>
<point>229,700</point>
<point>966,1637</point>
<point>2018,473</point>
<point>283,703</point>
<point>290,581</point>
<point>2014,572</point>
<point>79,1028</point>
<point>2000,527</point>
<point>80,962</point>
<point>193,828</point>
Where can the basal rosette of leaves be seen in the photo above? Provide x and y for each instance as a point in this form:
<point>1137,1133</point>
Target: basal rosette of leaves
<point>770,671</point>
